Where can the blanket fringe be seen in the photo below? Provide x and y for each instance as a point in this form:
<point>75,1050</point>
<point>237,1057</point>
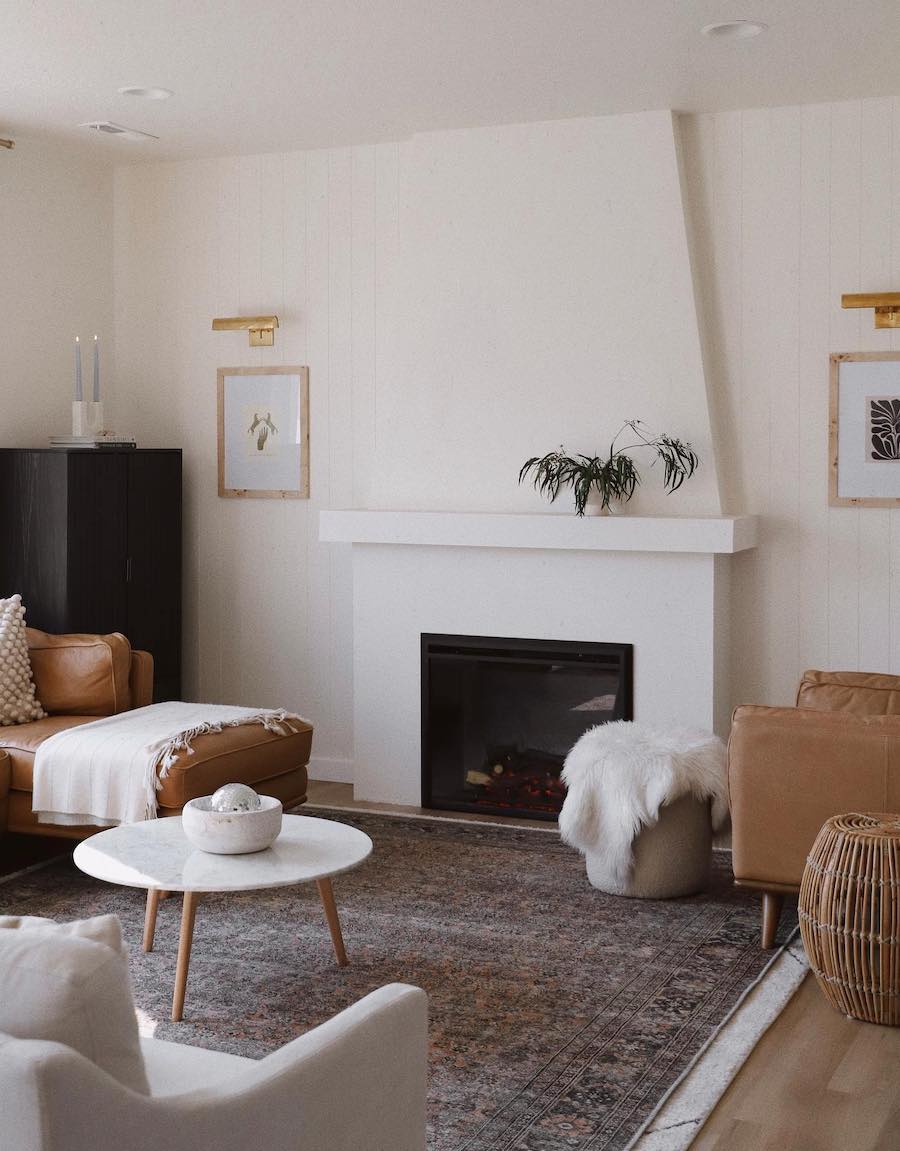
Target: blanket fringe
<point>165,756</point>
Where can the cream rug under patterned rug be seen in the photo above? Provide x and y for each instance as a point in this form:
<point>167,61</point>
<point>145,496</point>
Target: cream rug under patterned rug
<point>560,1017</point>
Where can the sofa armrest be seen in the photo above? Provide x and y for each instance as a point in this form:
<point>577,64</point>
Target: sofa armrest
<point>789,769</point>
<point>140,679</point>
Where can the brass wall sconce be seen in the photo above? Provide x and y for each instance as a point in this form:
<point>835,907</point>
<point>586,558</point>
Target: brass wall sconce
<point>886,305</point>
<point>261,328</point>
<point>7,143</point>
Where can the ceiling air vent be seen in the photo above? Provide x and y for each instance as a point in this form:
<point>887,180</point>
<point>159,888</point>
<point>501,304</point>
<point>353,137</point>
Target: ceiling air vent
<point>111,129</point>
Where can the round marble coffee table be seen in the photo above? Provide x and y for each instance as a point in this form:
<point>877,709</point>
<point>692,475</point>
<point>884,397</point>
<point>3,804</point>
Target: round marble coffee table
<point>156,855</point>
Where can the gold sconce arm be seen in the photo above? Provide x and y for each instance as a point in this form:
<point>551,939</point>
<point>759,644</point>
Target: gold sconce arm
<point>7,143</point>
<point>261,328</point>
<point>886,305</point>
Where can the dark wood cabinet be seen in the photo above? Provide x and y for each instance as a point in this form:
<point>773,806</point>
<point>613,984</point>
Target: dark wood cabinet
<point>92,541</point>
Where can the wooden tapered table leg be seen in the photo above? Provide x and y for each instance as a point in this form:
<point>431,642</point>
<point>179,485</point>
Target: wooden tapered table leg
<point>188,914</point>
<point>326,894</point>
<point>153,894</point>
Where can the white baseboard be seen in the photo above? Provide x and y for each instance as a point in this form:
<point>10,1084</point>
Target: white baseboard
<point>328,770</point>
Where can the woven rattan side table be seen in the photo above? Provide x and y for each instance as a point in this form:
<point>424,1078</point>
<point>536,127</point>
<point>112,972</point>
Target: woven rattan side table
<point>850,915</point>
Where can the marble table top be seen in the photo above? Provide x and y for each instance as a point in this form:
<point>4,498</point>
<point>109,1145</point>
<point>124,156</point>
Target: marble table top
<point>157,854</point>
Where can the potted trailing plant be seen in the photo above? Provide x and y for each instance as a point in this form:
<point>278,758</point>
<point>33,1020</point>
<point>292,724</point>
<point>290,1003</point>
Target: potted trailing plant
<point>614,477</point>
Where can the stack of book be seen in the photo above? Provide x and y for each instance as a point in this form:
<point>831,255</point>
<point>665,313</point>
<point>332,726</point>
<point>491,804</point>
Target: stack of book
<point>100,440</point>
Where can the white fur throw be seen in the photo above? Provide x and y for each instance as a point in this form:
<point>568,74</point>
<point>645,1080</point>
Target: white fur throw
<point>618,776</point>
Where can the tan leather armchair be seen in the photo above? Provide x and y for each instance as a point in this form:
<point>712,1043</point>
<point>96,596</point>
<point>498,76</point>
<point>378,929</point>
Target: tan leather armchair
<point>79,678</point>
<point>789,769</point>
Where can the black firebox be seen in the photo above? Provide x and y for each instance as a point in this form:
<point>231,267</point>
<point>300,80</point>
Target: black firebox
<point>499,716</point>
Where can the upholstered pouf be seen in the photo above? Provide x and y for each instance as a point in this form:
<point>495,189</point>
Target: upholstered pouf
<point>641,804</point>
<point>671,857</point>
<point>850,915</point>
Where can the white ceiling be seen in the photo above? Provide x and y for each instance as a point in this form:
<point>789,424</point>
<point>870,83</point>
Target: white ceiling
<point>277,75</point>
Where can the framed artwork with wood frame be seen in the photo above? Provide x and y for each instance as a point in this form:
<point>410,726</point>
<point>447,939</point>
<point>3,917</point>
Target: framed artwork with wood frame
<point>263,416</point>
<point>864,430</point>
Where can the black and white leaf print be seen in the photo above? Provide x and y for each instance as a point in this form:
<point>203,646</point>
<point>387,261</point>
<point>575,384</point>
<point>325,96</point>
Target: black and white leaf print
<point>884,423</point>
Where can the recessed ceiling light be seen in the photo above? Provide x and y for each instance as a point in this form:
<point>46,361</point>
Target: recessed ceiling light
<point>734,29</point>
<point>147,93</point>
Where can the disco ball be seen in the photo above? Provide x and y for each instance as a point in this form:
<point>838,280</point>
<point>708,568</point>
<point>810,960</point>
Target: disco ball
<point>234,797</point>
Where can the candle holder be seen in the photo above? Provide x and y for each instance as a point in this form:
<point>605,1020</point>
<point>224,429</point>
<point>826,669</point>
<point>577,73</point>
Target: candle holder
<point>95,424</point>
<point>79,418</point>
<point>87,418</point>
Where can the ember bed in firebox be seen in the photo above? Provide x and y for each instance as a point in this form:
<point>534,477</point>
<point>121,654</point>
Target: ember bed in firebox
<point>499,716</point>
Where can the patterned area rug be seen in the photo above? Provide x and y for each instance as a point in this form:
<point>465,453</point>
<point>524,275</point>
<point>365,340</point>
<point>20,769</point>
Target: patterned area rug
<point>559,1016</point>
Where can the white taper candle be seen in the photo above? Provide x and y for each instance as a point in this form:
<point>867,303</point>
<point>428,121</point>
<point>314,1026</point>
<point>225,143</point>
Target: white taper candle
<point>79,394</point>
<point>96,369</point>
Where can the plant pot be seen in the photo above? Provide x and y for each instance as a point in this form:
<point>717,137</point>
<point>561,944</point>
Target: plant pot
<point>594,506</point>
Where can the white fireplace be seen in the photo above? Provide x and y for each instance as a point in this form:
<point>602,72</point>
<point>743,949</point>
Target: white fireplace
<point>658,583</point>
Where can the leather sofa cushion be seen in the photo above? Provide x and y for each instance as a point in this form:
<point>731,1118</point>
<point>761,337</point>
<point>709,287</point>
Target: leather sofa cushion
<point>80,674</point>
<point>856,692</point>
<point>245,754</point>
<point>21,742</point>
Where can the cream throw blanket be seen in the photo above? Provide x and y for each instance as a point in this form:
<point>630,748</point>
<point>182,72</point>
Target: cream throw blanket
<point>108,772</point>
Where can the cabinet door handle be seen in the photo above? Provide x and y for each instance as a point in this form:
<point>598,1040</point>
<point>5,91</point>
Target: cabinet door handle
<point>128,570</point>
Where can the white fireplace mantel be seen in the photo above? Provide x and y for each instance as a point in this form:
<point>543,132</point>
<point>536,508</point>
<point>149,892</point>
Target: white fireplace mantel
<point>697,534</point>
<point>658,583</point>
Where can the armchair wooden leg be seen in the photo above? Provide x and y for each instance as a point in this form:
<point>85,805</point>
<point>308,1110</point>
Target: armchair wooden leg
<point>772,904</point>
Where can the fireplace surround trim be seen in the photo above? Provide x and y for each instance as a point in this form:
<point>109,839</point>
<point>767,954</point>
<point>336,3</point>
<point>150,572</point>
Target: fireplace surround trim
<point>711,534</point>
<point>671,604</point>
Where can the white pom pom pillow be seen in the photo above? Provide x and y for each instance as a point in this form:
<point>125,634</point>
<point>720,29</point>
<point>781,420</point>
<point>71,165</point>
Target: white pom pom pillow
<point>18,703</point>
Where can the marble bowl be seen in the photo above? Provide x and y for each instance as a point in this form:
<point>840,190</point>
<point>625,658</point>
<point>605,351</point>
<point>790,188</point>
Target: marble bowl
<point>231,832</point>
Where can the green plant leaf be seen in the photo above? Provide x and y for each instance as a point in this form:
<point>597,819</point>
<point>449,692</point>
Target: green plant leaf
<point>614,478</point>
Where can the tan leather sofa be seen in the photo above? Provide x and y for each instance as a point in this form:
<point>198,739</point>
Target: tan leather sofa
<point>789,769</point>
<point>82,677</point>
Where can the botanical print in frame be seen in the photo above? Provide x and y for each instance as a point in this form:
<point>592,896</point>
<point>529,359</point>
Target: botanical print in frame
<point>864,430</point>
<point>883,427</point>
<point>263,418</point>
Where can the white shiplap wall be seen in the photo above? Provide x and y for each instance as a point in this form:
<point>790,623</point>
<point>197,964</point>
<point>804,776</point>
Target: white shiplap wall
<point>56,260</point>
<point>328,241</point>
<point>309,236</point>
<point>792,207</point>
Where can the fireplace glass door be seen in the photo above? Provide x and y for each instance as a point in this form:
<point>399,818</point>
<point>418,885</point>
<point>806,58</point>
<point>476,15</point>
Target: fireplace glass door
<point>500,715</point>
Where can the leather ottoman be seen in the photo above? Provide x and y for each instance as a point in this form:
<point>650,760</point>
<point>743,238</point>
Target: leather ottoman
<point>271,764</point>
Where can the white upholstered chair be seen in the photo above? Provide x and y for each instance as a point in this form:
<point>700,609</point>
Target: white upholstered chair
<point>355,1083</point>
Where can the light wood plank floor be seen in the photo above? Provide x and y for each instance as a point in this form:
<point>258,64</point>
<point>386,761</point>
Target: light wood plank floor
<point>816,1081</point>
